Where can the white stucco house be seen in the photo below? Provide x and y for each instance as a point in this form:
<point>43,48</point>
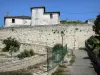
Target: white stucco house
<point>90,21</point>
<point>38,17</point>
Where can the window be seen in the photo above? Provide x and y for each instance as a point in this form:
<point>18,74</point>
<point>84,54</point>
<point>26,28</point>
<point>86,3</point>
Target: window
<point>51,16</point>
<point>13,20</point>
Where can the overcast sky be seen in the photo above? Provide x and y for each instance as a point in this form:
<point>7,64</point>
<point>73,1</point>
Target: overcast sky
<point>70,9</point>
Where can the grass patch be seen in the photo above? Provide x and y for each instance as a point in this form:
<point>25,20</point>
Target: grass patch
<point>62,66</point>
<point>72,60</point>
<point>81,48</point>
<point>15,73</point>
<point>60,70</point>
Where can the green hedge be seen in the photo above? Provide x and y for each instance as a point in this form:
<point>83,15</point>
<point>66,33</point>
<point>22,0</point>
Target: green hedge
<point>25,54</point>
<point>94,42</point>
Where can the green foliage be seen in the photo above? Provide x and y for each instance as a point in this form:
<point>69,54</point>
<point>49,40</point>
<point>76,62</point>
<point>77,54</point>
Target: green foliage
<point>72,60</point>
<point>4,49</point>
<point>57,47</point>
<point>31,52</point>
<point>94,42</point>
<point>96,26</point>
<point>62,66</point>
<point>25,54</point>
<point>11,42</point>
<point>65,49</point>
<point>86,21</point>
<point>71,22</point>
<point>11,45</point>
<point>60,70</point>
<point>94,48</point>
<point>1,27</point>
<point>63,22</point>
<point>12,49</point>
<point>59,52</point>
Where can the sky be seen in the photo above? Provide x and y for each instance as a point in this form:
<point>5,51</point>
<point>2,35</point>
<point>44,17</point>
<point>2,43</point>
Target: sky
<point>69,9</point>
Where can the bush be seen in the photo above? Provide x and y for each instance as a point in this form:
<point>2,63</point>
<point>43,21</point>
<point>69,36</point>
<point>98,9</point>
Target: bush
<point>11,42</point>
<point>11,45</point>
<point>96,26</point>
<point>93,41</point>
<point>31,52</point>
<point>25,54</point>
<point>57,47</point>
<point>5,49</point>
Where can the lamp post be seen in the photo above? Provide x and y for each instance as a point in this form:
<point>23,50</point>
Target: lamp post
<point>62,34</point>
<point>74,41</point>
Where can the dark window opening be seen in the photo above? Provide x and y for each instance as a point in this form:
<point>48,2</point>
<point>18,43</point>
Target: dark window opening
<point>51,16</point>
<point>13,20</point>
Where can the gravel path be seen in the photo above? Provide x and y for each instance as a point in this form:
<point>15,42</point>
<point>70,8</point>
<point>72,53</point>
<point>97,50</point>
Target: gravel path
<point>82,64</point>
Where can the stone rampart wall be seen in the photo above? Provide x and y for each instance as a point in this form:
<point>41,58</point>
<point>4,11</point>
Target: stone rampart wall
<point>74,35</point>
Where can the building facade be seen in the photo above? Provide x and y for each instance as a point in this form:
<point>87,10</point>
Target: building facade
<point>38,17</point>
<point>17,20</point>
<point>91,21</point>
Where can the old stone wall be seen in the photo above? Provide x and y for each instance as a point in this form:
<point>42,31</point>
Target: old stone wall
<point>74,35</point>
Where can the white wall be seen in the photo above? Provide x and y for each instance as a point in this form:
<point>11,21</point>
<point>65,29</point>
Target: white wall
<point>37,16</point>
<point>8,22</point>
<point>55,19</point>
<point>41,18</point>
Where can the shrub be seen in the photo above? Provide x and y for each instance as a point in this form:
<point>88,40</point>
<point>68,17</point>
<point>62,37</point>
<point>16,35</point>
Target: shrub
<point>31,52</point>
<point>19,56</point>
<point>96,26</point>
<point>11,45</point>
<point>59,52</point>
<point>94,42</point>
<point>57,47</point>
<point>25,54</point>
<point>4,49</point>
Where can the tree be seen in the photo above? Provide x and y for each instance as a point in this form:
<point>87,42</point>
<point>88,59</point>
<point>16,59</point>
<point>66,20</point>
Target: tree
<point>86,21</point>
<point>96,26</point>
<point>11,45</point>
<point>63,22</point>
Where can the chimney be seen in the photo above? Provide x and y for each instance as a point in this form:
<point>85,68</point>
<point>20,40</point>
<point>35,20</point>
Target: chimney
<point>7,13</point>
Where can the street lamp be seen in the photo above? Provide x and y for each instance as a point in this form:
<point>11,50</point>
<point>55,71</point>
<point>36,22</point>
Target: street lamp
<point>62,34</point>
